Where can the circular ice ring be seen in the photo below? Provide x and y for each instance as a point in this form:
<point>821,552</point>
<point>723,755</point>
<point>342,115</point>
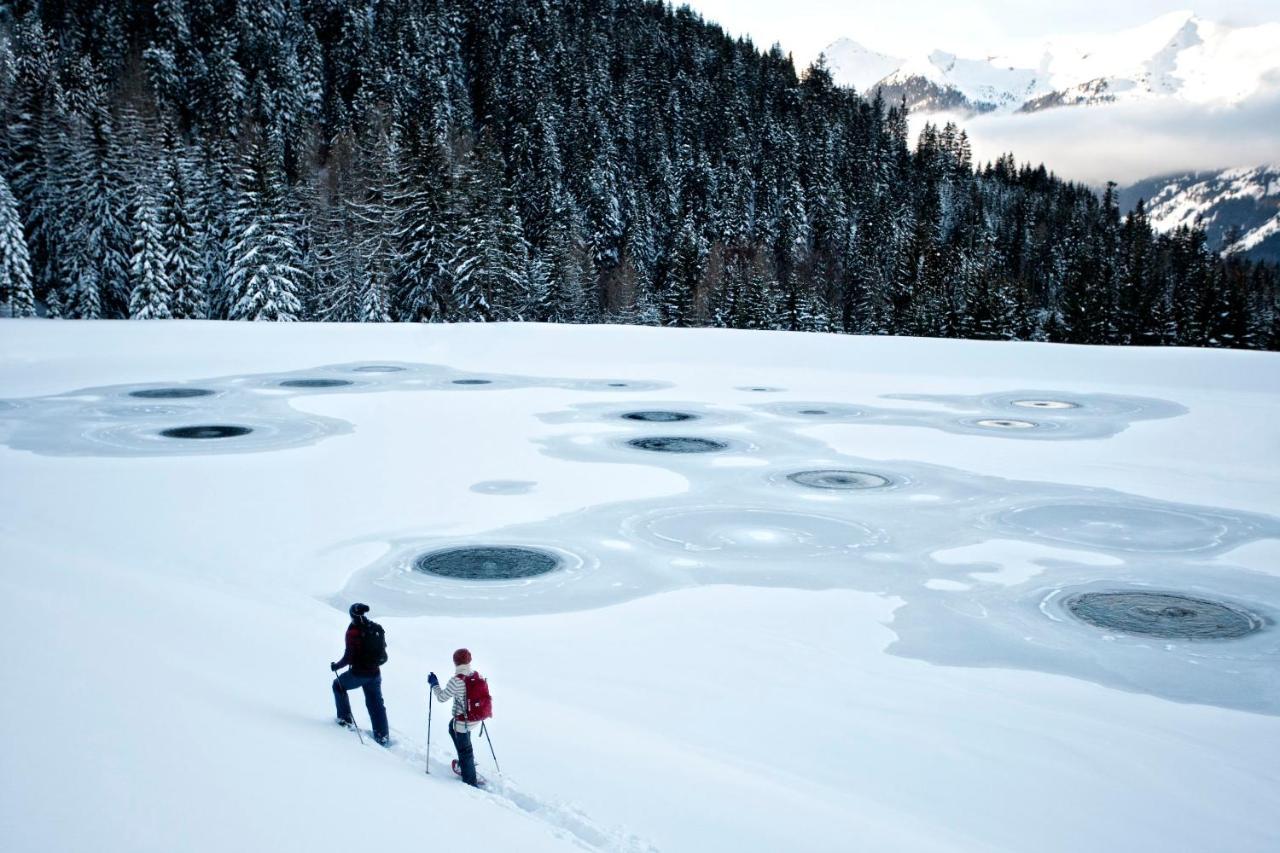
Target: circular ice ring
<point>659,416</point>
<point>755,533</point>
<point>1166,615</point>
<point>836,479</point>
<point>1005,423</point>
<point>170,393</point>
<point>677,444</point>
<point>206,432</point>
<point>1046,404</point>
<point>315,383</point>
<point>488,563</point>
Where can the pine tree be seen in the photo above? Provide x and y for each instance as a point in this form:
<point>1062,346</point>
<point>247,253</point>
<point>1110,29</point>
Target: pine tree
<point>151,294</point>
<point>423,229</point>
<point>568,270</point>
<point>680,295</point>
<point>15,268</point>
<point>792,248</point>
<point>491,263</point>
<point>266,273</point>
<point>182,240</point>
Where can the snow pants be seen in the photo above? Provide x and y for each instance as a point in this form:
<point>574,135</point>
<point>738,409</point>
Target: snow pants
<point>466,755</point>
<point>372,685</point>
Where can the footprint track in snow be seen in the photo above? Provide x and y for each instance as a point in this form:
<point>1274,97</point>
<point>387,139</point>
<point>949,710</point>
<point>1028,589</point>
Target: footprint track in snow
<point>565,819</point>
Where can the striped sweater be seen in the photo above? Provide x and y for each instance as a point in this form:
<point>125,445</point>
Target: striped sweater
<point>456,690</point>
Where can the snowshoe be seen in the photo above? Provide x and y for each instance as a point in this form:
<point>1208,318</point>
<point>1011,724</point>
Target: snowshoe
<point>457,770</point>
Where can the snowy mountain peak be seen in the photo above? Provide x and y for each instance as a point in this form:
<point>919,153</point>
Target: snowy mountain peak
<point>859,66</point>
<point>1176,56</point>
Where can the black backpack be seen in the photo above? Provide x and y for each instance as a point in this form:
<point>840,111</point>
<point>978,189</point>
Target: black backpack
<point>373,645</point>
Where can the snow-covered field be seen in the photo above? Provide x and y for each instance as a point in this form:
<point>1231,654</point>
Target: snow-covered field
<point>728,658</point>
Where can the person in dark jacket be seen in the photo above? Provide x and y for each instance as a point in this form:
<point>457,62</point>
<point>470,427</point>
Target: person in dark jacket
<point>364,674</point>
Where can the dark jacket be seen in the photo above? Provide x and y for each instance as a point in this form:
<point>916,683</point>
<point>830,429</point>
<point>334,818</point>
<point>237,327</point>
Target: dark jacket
<point>352,653</point>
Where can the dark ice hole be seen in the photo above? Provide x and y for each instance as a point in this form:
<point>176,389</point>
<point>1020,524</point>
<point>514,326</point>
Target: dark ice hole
<point>677,444</point>
<point>472,382</point>
<point>487,563</point>
<point>839,479</point>
<point>170,393</point>
<point>1162,614</point>
<point>1046,404</point>
<point>1005,423</point>
<point>314,383</point>
<point>209,431</point>
<point>659,416</point>
<point>814,412</point>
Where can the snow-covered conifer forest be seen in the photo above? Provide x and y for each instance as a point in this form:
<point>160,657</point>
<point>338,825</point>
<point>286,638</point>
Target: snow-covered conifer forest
<point>550,160</point>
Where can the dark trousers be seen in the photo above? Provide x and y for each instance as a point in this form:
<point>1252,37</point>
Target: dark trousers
<point>372,685</point>
<point>466,755</point>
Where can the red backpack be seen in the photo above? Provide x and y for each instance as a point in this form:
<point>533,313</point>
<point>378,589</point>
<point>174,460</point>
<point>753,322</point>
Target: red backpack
<point>476,699</point>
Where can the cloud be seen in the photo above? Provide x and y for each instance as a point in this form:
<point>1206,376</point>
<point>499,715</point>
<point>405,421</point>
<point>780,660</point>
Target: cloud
<point>1128,142</point>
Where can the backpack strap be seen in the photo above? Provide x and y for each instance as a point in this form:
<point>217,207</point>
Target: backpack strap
<point>463,716</point>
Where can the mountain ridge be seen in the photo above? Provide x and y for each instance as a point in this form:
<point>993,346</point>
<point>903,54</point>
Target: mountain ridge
<point>1178,56</point>
<point>1238,208</point>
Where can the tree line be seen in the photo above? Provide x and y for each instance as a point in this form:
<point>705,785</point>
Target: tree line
<point>548,160</point>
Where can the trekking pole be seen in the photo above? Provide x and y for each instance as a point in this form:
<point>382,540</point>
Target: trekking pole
<point>484,730</point>
<point>354,724</point>
<point>430,702</point>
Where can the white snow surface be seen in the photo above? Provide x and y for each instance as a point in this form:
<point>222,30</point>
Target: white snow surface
<point>710,684</point>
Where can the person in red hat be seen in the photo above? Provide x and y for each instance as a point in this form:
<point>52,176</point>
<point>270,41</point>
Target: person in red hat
<point>471,707</point>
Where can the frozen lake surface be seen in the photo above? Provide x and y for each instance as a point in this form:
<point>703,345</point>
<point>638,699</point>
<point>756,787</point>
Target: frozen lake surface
<point>1006,589</point>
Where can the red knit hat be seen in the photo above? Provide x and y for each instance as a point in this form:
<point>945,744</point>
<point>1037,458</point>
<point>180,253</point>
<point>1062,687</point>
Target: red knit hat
<point>461,656</point>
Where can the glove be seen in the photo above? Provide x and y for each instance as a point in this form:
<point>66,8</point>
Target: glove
<point>432,680</point>
<point>333,667</point>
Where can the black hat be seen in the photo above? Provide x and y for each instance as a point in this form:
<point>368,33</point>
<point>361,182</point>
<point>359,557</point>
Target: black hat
<point>358,609</point>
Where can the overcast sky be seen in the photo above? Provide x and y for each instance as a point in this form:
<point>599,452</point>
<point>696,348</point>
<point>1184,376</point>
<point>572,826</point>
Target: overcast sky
<point>970,27</point>
<point>1094,144</point>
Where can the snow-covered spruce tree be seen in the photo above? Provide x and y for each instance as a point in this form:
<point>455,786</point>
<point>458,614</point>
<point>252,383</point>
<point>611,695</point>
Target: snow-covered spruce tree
<point>92,227</point>
<point>150,295</point>
<point>30,93</point>
<point>603,202</point>
<point>372,217</point>
<point>567,261</point>
<point>16,296</point>
<point>423,231</point>
<point>680,293</point>
<point>491,262</point>
<point>793,235</point>
<point>219,199</point>
<point>338,263</point>
<point>181,237</point>
<point>266,273</point>
<point>77,229</point>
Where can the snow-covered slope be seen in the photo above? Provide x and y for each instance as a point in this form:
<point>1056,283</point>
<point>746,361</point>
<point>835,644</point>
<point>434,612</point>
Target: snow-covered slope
<point>1238,208</point>
<point>727,659</point>
<point>857,66</point>
<point>1178,57</point>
